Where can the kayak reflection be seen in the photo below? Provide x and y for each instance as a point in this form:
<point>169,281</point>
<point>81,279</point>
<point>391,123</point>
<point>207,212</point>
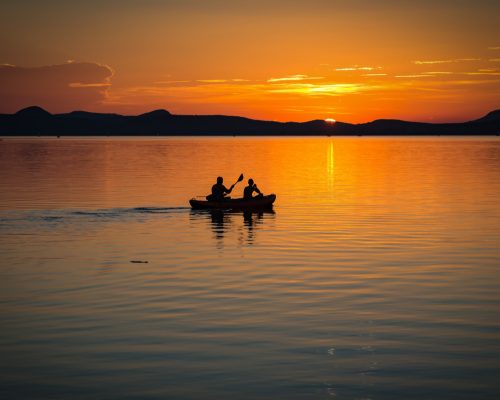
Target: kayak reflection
<point>241,225</point>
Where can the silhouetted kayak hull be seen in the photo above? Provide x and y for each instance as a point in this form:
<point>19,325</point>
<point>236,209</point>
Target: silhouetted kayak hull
<point>234,204</point>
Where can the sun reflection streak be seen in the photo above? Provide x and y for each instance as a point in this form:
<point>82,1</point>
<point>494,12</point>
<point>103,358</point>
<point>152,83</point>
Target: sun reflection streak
<point>330,168</point>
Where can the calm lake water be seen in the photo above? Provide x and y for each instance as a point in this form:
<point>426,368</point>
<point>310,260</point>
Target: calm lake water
<point>377,276</point>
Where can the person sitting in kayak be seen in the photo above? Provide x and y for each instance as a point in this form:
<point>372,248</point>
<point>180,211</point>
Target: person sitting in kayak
<point>219,191</point>
<point>248,191</point>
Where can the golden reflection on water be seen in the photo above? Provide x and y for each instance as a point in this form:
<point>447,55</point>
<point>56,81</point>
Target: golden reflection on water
<point>131,172</point>
<point>330,167</point>
<point>378,267</point>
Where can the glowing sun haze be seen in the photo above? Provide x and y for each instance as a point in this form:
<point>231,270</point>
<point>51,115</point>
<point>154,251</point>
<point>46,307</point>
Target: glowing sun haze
<point>348,61</point>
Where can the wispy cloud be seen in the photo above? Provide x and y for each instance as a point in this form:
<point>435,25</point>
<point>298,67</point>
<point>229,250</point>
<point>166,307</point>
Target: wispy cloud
<point>473,82</point>
<point>374,75</point>
<point>494,48</point>
<point>357,68</point>
<point>414,76</point>
<point>89,85</point>
<point>170,82</point>
<point>298,77</point>
<point>455,60</point>
<point>494,60</point>
<point>485,72</point>
<point>310,89</point>
<point>197,91</point>
<point>199,81</point>
<point>212,80</point>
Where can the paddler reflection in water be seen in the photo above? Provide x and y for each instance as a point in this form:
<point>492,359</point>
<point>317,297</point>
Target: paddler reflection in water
<point>219,191</point>
<point>250,189</point>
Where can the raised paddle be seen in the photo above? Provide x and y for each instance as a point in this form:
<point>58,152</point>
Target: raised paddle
<point>239,180</point>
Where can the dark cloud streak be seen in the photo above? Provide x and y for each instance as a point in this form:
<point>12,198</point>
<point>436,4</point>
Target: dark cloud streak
<point>57,88</point>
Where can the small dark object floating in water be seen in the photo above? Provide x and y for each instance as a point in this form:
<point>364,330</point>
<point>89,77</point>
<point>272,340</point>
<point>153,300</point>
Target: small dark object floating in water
<point>234,204</point>
<point>139,262</point>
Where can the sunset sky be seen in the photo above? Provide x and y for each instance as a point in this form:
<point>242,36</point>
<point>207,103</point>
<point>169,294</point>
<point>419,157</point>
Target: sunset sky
<point>352,61</point>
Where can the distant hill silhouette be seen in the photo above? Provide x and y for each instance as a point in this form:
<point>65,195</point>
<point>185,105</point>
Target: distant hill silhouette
<point>492,116</point>
<point>33,112</point>
<point>36,121</point>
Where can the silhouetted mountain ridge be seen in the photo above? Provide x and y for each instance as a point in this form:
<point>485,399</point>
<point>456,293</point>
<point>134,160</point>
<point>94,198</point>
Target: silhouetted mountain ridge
<point>33,111</point>
<point>35,120</point>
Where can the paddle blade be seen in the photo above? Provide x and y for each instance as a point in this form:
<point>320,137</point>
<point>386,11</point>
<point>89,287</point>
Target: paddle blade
<point>240,178</point>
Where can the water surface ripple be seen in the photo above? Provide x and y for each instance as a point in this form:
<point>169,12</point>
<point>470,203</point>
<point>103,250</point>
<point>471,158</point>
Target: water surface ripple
<point>376,276</point>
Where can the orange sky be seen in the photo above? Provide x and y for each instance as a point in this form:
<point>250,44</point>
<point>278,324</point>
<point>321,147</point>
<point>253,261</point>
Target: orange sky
<point>352,61</point>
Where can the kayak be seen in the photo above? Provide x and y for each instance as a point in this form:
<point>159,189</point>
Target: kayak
<point>234,204</point>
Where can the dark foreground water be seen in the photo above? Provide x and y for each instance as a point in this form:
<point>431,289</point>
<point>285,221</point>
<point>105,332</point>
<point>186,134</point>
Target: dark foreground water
<point>377,276</point>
